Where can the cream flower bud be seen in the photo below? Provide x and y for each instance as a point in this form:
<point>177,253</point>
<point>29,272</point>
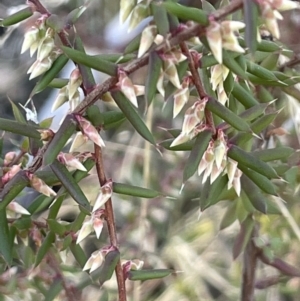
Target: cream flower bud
<point>126,86</point>
<point>147,39</point>
<point>40,67</point>
<point>30,37</point>
<point>45,48</point>
<point>104,195</point>
<point>214,39</point>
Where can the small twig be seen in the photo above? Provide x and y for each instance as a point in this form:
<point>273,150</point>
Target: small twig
<point>249,267</point>
<point>110,223</point>
<point>291,63</point>
<point>198,83</point>
<point>40,7</point>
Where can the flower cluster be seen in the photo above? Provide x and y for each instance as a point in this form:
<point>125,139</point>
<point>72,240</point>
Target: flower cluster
<point>270,13</point>
<point>222,35</point>
<point>69,92</point>
<point>40,39</point>
<point>215,162</point>
<point>91,223</point>
<point>192,122</point>
<point>219,74</point>
<point>97,258</point>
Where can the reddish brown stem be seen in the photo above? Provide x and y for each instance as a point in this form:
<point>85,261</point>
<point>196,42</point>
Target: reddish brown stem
<point>249,268</point>
<point>110,222</point>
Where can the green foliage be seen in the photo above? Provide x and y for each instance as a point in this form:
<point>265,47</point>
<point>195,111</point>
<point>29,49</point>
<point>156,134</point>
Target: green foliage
<point>229,147</point>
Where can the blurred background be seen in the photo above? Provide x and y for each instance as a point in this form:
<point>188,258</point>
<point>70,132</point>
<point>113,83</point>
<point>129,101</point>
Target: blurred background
<point>163,232</point>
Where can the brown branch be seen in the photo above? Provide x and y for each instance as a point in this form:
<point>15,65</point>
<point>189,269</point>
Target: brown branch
<point>39,7</point>
<point>291,63</point>
<point>249,267</point>
<point>110,223</point>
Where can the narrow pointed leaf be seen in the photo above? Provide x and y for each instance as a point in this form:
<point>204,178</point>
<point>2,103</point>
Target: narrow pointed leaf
<point>186,13</point>
<point>260,71</point>
<point>70,185</point>
<point>143,275</point>
<point>17,113</point>
<point>13,188</point>
<point>58,142</point>
<point>17,17</point>
<point>253,193</point>
<point>78,254</point>
<point>56,227</point>
<point>47,78</point>
<point>131,114</point>
<point>187,146</point>
<point>135,191</point>
<point>272,154</point>
<point>160,17</point>
<point>90,61</point>
<point>261,181</point>
<point>251,17</point>
<point>54,289</point>
<point>243,96</point>
<point>196,154</point>
<point>251,162</point>
<point>74,15</point>
<point>264,45</point>
<point>155,65</point>
<point>112,119</point>
<point>210,192</point>
<point>45,247</point>
<point>227,115</point>
<point>6,245</point>
<point>230,62</point>
<point>58,83</point>
<point>133,45</point>
<point>22,129</point>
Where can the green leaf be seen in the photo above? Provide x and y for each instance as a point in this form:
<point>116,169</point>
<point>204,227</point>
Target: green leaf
<point>5,237</point>
<point>186,13</point>
<point>58,83</point>
<point>196,154</point>
<point>74,15</point>
<point>13,188</point>
<point>119,58</point>
<point>252,162</point>
<point>251,18</point>
<point>187,146</point>
<point>112,119</point>
<point>272,154</point>
<point>17,113</point>
<point>210,193</point>
<point>17,17</point>
<point>56,227</point>
<point>253,193</point>
<point>78,254</point>
<point>230,62</point>
<point>261,181</point>
<point>143,275</point>
<point>135,191</point>
<point>131,114</point>
<point>54,290</point>
<point>45,247</point>
<point>160,17</point>
<point>133,45</point>
<point>91,61</point>
<point>65,131</point>
<point>22,129</point>
<point>47,78</point>
<point>227,115</point>
<point>70,185</point>
<point>260,71</point>
<point>243,96</point>
<point>155,67</point>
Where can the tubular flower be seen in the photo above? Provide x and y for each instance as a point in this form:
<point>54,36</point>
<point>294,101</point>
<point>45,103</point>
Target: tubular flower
<point>270,13</point>
<point>222,35</point>
<point>219,74</point>
<point>181,96</point>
